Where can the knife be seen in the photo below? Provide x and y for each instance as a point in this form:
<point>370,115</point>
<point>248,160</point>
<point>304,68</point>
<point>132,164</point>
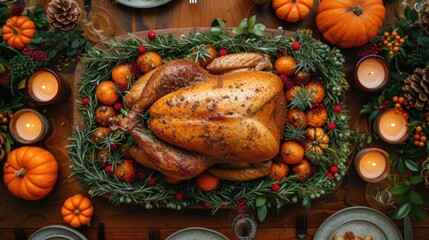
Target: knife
<point>101,235</point>
<point>408,228</point>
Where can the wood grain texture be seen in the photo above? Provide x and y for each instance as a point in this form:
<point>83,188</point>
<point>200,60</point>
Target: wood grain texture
<point>133,222</point>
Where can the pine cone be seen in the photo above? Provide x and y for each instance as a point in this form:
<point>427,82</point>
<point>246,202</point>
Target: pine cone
<point>63,14</point>
<point>2,147</point>
<point>417,88</point>
<point>424,16</point>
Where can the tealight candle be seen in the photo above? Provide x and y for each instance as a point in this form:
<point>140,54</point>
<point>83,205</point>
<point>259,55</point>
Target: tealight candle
<point>371,73</point>
<point>371,164</point>
<point>27,126</point>
<point>45,87</point>
<point>391,127</point>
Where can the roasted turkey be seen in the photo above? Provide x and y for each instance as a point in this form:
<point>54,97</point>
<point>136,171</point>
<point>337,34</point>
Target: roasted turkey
<point>200,119</point>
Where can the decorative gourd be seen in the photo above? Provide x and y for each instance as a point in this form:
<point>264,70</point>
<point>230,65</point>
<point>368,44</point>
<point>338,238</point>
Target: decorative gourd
<point>30,172</point>
<point>18,31</point>
<point>77,210</point>
<point>350,23</point>
<point>292,10</point>
<point>317,140</point>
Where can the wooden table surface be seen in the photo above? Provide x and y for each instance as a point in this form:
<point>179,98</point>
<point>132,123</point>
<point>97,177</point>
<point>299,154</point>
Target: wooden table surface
<point>133,222</point>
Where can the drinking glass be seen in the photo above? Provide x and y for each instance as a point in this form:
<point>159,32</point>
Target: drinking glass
<point>244,225</point>
<point>378,195</point>
<point>97,24</point>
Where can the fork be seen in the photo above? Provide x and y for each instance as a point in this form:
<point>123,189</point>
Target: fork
<point>19,234</point>
<point>301,224</point>
<point>154,234</point>
<point>193,1</point>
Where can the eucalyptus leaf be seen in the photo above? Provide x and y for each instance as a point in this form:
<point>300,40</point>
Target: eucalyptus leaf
<point>243,24</point>
<point>260,201</point>
<point>416,198</point>
<point>262,212</point>
<point>402,211</point>
<point>399,189</point>
<point>416,179</point>
<point>411,164</point>
<point>251,21</point>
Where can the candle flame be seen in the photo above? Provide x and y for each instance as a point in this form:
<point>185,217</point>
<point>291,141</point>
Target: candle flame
<point>392,125</point>
<point>370,73</point>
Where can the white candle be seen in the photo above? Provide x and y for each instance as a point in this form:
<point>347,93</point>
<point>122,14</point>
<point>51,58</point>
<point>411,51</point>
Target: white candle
<point>44,86</point>
<point>29,126</point>
<point>372,164</point>
<point>392,127</point>
<point>371,73</point>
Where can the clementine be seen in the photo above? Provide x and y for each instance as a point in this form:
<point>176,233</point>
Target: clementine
<point>208,56</point>
<point>317,119</point>
<point>297,118</point>
<point>291,152</point>
<point>148,61</point>
<point>106,93</point>
<point>290,92</point>
<point>278,171</point>
<point>125,171</point>
<point>285,65</point>
<point>318,89</point>
<point>121,75</point>
<point>207,182</point>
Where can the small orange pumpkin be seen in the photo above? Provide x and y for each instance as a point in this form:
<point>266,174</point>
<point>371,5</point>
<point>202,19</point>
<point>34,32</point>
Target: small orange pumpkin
<point>77,210</point>
<point>18,31</point>
<point>292,10</point>
<point>30,172</point>
<point>350,23</point>
<point>318,140</point>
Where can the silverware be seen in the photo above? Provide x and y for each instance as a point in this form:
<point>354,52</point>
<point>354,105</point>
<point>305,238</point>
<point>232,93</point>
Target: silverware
<point>101,233</point>
<point>193,1</point>
<point>19,234</point>
<point>301,224</point>
<point>408,228</point>
<point>154,234</point>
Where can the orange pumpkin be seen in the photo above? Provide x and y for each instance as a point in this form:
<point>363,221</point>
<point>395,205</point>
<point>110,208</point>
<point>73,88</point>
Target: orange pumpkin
<point>18,31</point>
<point>318,140</point>
<point>292,10</point>
<point>77,210</point>
<point>350,23</point>
<point>30,172</point>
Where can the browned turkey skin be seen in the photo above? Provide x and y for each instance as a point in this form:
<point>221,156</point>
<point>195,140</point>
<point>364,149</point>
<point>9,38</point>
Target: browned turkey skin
<point>201,119</point>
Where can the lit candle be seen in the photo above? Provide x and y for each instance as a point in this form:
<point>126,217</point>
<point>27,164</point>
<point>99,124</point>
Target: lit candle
<point>371,73</point>
<point>28,126</point>
<point>371,164</point>
<point>391,127</point>
<point>44,87</point>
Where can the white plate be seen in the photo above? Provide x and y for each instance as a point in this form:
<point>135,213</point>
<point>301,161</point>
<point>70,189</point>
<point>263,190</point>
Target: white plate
<point>57,232</point>
<point>196,233</point>
<point>143,3</point>
<point>361,221</point>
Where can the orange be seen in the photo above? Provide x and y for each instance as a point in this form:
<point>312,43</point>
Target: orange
<point>148,61</point>
<point>121,75</point>
<point>297,118</point>
<point>290,92</point>
<point>207,182</point>
<point>125,171</point>
<point>291,152</point>
<point>319,91</point>
<point>106,93</point>
<point>285,65</point>
<point>205,60</point>
<point>317,119</point>
<point>278,171</point>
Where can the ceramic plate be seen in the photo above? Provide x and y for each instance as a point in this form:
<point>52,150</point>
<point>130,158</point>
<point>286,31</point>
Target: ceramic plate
<point>57,232</point>
<point>143,3</point>
<point>361,221</point>
<point>196,233</point>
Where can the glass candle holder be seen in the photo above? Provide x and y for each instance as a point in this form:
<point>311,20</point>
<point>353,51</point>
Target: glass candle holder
<point>371,73</point>
<point>28,126</point>
<point>45,87</point>
<point>243,225</point>
<point>391,127</point>
<point>371,164</point>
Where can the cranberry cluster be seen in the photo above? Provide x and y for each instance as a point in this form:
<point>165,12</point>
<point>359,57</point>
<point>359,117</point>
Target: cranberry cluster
<point>287,81</point>
<point>37,55</point>
<point>373,49</point>
<point>4,78</point>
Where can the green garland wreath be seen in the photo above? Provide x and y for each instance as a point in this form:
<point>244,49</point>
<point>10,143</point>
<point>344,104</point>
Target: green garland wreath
<point>152,190</point>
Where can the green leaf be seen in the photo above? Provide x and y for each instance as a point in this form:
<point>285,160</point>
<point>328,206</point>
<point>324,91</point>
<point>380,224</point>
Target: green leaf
<point>418,213</point>
<point>251,22</point>
<point>399,189</point>
<point>243,24</point>
<point>75,43</point>
<point>411,164</point>
<point>218,22</point>
<point>416,198</point>
<point>402,211</point>
<point>237,31</point>
<point>262,213</point>
<point>401,165</point>
<point>414,15</point>
<point>259,29</point>
<point>407,12</point>
<point>260,201</point>
<point>416,179</point>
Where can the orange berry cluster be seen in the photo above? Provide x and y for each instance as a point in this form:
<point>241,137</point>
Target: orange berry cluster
<point>401,106</point>
<point>393,41</point>
<point>4,118</point>
<point>419,137</point>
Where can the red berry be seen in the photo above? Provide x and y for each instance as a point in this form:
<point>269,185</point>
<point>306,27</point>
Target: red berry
<point>117,106</point>
<point>338,108</point>
<point>296,46</point>
<point>85,100</point>
<point>275,187</point>
<point>151,35</point>
<point>113,147</point>
<point>331,126</point>
<point>222,52</point>
<point>206,204</point>
<point>141,49</point>
<point>151,181</point>
<point>333,169</point>
<point>108,168</point>
<point>329,175</point>
<point>179,196</point>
